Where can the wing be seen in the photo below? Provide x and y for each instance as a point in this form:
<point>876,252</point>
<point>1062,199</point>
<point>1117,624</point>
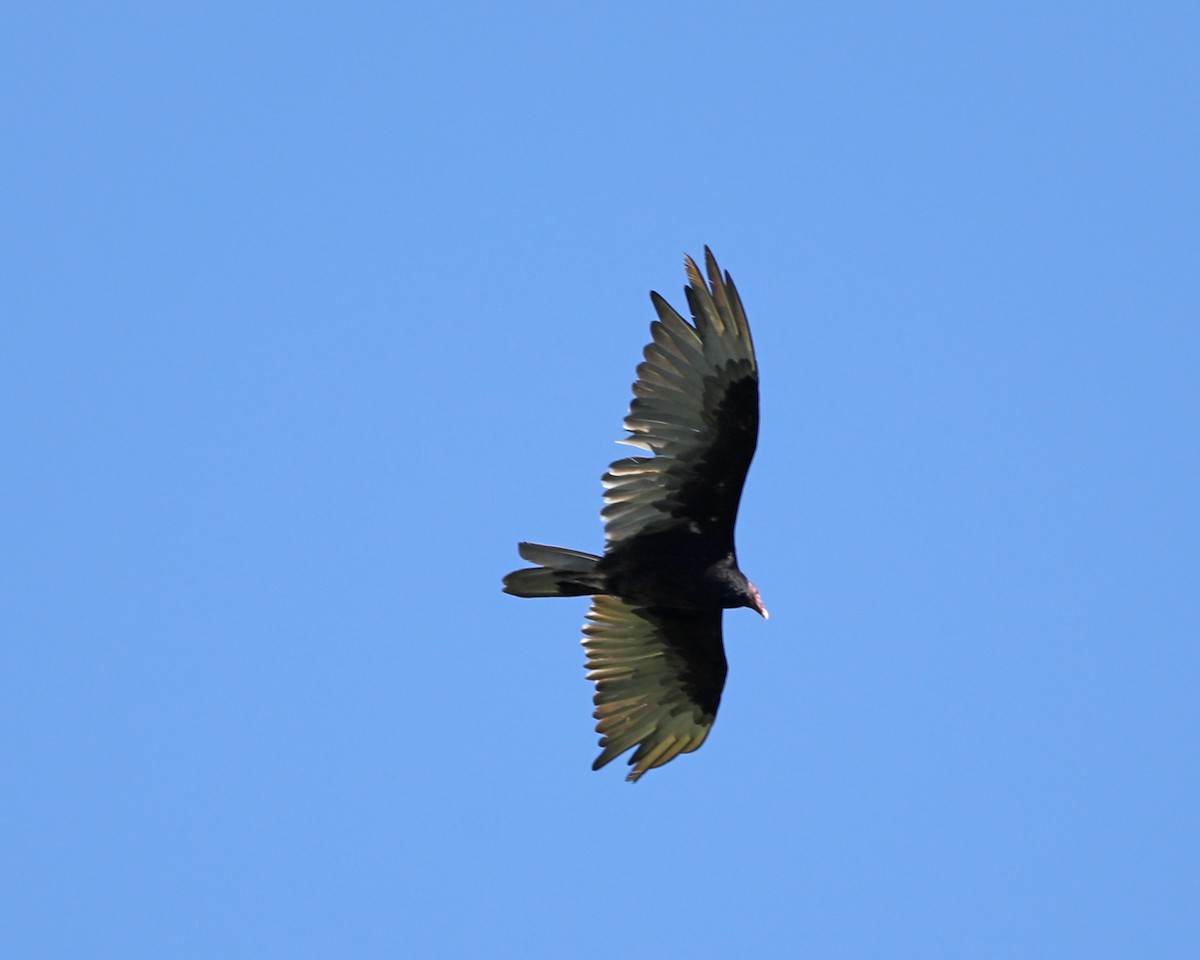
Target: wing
<point>659,674</point>
<point>695,408</point>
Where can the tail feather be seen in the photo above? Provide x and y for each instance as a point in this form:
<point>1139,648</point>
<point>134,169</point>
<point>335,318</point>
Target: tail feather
<point>559,557</point>
<point>560,573</point>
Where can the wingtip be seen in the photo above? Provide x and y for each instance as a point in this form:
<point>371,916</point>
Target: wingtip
<point>710,264</point>
<point>604,759</point>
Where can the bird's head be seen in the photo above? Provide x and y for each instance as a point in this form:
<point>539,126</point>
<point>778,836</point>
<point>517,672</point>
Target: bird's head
<point>754,600</point>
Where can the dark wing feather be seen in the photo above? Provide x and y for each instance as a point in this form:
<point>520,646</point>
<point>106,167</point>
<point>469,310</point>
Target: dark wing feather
<point>695,408</point>
<point>659,673</point>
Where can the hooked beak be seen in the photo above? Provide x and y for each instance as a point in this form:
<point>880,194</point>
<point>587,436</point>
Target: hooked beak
<point>758,604</point>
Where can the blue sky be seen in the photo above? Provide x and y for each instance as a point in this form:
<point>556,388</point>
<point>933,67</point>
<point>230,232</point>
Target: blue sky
<point>313,311</point>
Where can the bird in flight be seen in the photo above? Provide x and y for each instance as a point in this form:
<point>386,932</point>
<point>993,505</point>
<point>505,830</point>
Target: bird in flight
<point>669,569</point>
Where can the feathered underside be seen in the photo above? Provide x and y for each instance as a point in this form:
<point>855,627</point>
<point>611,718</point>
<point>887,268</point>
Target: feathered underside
<point>695,408</point>
<point>659,673</point>
<point>653,634</point>
<point>660,669</point>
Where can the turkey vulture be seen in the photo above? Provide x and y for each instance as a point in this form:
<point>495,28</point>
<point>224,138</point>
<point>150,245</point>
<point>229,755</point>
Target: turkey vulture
<point>653,634</point>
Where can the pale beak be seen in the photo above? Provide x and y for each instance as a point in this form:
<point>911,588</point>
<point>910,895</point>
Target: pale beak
<point>758,604</point>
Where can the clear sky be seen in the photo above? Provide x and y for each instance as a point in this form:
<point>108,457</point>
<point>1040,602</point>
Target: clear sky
<point>312,311</point>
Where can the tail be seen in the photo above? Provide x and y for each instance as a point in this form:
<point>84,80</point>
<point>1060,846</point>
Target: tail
<point>560,573</point>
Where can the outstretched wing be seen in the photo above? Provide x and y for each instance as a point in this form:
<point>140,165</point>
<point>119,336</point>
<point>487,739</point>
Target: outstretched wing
<point>659,673</point>
<point>695,408</point>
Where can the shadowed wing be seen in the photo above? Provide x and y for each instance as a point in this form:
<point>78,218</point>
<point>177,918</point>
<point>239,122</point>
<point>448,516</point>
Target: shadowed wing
<point>695,408</point>
<point>659,673</point>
